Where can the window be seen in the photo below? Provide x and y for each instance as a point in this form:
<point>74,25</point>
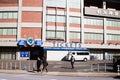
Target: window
<point>60,34</point>
<point>57,34</point>
<point>75,20</point>
<point>74,35</point>
<point>57,20</point>
<point>56,3</point>
<point>79,53</point>
<point>8,15</point>
<point>50,18</point>
<point>10,31</point>
<point>53,18</point>
<point>73,53</point>
<point>93,36</point>
<point>60,19</point>
<point>7,53</point>
<point>93,22</point>
<point>113,23</point>
<point>4,31</point>
<point>1,32</point>
<point>74,3</point>
<point>50,34</point>
<point>113,37</point>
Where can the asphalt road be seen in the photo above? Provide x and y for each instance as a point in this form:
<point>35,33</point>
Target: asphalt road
<point>5,76</point>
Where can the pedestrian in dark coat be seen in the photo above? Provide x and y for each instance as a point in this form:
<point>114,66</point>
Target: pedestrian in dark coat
<point>39,62</point>
<point>45,64</point>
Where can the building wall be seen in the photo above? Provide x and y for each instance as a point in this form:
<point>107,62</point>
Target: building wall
<point>58,21</point>
<point>58,55</point>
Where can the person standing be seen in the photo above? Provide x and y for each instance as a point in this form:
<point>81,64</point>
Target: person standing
<point>72,62</point>
<point>39,61</point>
<point>45,64</point>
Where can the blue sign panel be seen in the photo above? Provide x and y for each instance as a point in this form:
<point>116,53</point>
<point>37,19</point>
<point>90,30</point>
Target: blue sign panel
<point>38,43</point>
<point>24,54</point>
<point>30,42</point>
<point>68,49</point>
<point>21,42</point>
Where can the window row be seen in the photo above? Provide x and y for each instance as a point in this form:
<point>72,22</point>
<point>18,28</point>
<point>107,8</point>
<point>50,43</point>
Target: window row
<point>8,15</point>
<point>55,34</point>
<point>62,3</point>
<point>52,18</point>
<point>61,35</point>
<point>100,22</point>
<point>75,20</point>
<point>77,35</point>
<point>74,4</point>
<point>113,37</point>
<point>93,22</point>
<point>74,35</point>
<point>8,31</point>
<point>113,23</point>
<point>56,3</point>
<point>8,53</point>
<point>92,36</point>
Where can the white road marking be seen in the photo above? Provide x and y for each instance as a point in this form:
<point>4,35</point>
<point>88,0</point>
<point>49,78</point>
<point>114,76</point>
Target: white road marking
<point>53,79</point>
<point>3,79</point>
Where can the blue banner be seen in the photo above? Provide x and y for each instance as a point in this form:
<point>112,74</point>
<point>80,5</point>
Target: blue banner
<point>67,49</point>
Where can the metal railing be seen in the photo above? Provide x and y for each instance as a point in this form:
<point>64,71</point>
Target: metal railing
<point>15,64</point>
<point>30,65</point>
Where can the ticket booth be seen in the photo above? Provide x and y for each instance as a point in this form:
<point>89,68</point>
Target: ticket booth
<point>29,49</point>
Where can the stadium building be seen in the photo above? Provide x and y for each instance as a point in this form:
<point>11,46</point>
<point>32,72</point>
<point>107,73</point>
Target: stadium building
<point>52,28</point>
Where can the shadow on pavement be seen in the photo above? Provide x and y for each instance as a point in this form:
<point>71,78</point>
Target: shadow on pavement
<point>117,77</point>
<point>66,67</point>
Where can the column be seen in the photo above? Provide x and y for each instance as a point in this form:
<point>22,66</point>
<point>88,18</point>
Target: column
<point>67,21</point>
<point>44,21</point>
<point>82,22</point>
<point>104,25</point>
<point>19,20</point>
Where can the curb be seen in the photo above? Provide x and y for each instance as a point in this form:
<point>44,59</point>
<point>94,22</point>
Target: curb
<point>86,74</point>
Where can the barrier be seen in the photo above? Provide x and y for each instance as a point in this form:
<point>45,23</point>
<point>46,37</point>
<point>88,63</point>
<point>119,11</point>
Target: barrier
<point>30,65</point>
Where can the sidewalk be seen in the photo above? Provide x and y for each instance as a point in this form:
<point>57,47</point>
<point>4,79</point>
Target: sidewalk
<point>88,74</point>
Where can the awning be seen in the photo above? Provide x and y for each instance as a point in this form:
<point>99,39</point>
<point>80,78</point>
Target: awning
<point>24,43</point>
<point>21,42</point>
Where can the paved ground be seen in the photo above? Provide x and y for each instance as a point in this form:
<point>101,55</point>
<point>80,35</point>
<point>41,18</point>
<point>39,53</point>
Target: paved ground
<point>6,76</point>
<point>99,74</point>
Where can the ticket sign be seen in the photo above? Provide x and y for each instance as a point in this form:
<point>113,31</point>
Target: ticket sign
<point>24,54</point>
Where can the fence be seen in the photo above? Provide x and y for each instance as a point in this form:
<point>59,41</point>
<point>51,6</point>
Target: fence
<point>30,65</point>
<point>15,64</point>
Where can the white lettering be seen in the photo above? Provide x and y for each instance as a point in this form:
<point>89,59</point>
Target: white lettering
<point>98,11</point>
<point>110,13</point>
<point>61,45</point>
<point>66,44</point>
<point>116,13</point>
<point>53,44</point>
<point>107,12</point>
<point>104,12</point>
<point>70,45</point>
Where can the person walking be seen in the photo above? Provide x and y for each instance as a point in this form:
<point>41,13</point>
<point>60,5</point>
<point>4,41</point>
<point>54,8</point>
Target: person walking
<point>39,62</point>
<point>72,61</point>
<point>45,64</point>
